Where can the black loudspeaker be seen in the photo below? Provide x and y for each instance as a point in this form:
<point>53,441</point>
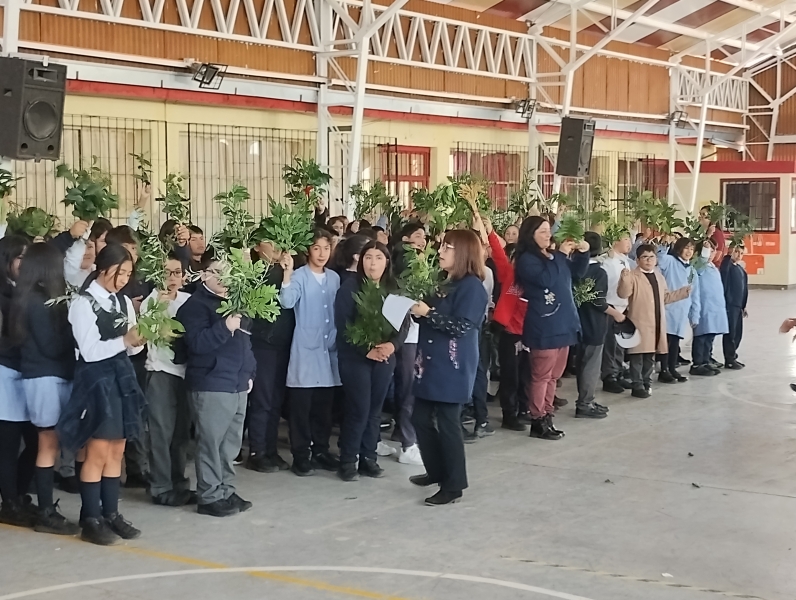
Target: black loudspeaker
<point>31,109</point>
<point>574,147</point>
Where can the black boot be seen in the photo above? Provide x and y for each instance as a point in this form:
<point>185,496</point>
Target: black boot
<point>512,423</point>
<point>370,468</point>
<point>666,377</point>
<point>348,471</point>
<point>442,497</point>
<point>421,480</point>
<point>541,429</point>
<point>552,426</point>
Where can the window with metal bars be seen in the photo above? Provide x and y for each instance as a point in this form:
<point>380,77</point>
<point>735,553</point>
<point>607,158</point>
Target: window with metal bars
<point>757,198</point>
<point>501,166</point>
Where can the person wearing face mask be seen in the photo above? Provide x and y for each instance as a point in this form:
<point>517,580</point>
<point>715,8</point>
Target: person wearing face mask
<point>312,373</point>
<point>104,408</point>
<point>675,265</point>
<point>712,317</point>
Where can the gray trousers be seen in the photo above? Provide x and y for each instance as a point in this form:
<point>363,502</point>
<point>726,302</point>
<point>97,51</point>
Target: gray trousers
<point>641,367</point>
<point>136,452</point>
<point>169,432</point>
<point>219,432</point>
<point>613,356</point>
<point>589,363</point>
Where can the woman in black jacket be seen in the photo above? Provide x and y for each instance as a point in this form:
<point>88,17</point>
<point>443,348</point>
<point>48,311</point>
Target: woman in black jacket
<point>365,374</point>
<point>47,367</point>
<point>16,470</point>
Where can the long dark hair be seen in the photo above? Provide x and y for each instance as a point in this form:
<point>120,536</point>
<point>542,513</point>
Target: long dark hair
<point>526,241</point>
<point>112,255</point>
<point>343,254</point>
<point>11,247</point>
<point>40,273</point>
<point>387,280</point>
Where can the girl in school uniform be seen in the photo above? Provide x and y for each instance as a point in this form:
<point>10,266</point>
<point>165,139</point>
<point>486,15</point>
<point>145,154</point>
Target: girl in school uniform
<point>675,265</point>
<point>104,409</point>
<point>366,375</point>
<point>447,361</point>
<point>47,366</point>
<point>16,470</point>
<point>312,372</point>
<point>708,312</point>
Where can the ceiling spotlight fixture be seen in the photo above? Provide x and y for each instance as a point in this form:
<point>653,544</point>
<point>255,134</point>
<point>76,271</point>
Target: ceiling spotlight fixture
<point>679,118</point>
<point>525,107</point>
<point>208,75</point>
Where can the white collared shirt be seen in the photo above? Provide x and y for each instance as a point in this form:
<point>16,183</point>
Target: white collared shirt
<point>613,265</point>
<point>86,332</point>
<point>160,359</point>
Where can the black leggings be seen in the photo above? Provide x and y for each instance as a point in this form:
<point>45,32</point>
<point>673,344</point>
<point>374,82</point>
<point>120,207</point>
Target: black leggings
<point>673,358</point>
<point>17,469</point>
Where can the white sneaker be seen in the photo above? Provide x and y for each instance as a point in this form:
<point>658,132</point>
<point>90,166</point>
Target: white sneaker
<point>385,449</point>
<point>411,456</point>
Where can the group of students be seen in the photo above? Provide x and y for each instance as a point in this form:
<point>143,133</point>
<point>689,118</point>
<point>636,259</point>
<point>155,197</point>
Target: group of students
<point>79,382</point>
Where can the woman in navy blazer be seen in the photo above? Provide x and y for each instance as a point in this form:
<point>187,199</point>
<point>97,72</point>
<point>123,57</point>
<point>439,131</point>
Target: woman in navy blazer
<point>447,361</point>
<point>551,323</point>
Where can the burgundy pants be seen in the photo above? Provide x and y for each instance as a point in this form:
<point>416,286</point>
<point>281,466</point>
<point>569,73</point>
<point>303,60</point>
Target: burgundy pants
<point>547,367</point>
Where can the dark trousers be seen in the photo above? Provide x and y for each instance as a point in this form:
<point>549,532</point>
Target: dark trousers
<point>641,367</point>
<point>136,451</point>
<point>613,356</point>
<point>481,385</point>
<point>672,360</point>
<point>404,398</point>
<point>510,363</point>
<point>17,469</point>
<point>266,399</point>
<point>310,419</point>
<point>701,349</point>
<point>170,432</point>
<point>589,362</point>
<point>439,435</point>
<point>730,341</point>
<point>365,383</point>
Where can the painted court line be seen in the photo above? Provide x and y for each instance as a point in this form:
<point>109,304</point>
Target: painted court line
<point>273,571</point>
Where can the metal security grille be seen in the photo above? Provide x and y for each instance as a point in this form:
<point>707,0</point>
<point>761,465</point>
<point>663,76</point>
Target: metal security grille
<point>111,144</point>
<point>378,162</point>
<point>500,165</point>
<point>216,157</point>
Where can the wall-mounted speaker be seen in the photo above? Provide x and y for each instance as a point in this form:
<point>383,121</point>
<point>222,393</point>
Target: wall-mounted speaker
<point>574,147</point>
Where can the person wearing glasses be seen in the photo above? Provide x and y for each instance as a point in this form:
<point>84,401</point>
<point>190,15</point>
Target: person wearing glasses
<point>219,375</point>
<point>167,399</point>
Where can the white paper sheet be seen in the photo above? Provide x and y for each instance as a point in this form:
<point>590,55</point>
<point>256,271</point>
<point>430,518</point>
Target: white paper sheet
<point>395,309</point>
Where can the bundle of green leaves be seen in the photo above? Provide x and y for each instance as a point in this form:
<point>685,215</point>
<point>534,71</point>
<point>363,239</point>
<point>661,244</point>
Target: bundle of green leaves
<point>600,212</point>
<point>144,168</point>
<point>8,184</point>
<point>152,258</point>
<point>376,199</point>
<point>570,229</point>
<point>175,204</point>
<point>306,182</point>
<point>501,219</point>
<point>741,226</point>
<point>444,207</point>
<point>719,212</point>
<point>422,275</point>
<point>370,328</point>
<point>693,229</point>
<point>525,197</point>
<point>583,291</point>
<point>238,221</point>
<point>289,228</point>
<point>158,328</point>
<point>88,191</point>
<point>247,292</point>
<point>615,231</point>
<point>32,221</point>
<point>655,213</point>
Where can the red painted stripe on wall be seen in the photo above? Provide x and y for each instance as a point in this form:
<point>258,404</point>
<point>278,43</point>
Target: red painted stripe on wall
<point>747,167</point>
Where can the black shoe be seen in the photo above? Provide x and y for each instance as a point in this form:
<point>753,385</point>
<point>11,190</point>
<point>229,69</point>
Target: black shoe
<point>137,480</point>
<point>97,531</point>
<point>174,498</point>
<point>238,460</point>
<point>715,364</point>
<point>601,407</point>
<point>484,430</point>
<point>682,362</point>
<point>678,377</point>
<point>219,508</point>
<point>51,521</point>
<point>442,497</point>
<point>666,377</point>
<point>525,418</point>
<point>469,437</point>
<point>612,386</point>
<point>280,462</point>
<point>793,387</point>
<point>590,412</point>
<point>559,402</point>
<point>640,393</point>
<point>552,426</point>
<point>261,464</point>
<point>239,503</point>
<point>370,468</point>
<point>703,371</point>
<point>626,383</point>
<point>124,529</point>
<point>70,485</point>
<point>734,366</point>
<point>512,424</point>
<point>302,467</point>
<point>13,513</point>
<point>542,430</point>
<point>348,472</point>
<point>421,480</point>
<point>467,418</point>
<point>326,461</point>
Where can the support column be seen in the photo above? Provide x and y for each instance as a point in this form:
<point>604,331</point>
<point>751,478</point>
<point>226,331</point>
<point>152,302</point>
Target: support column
<point>569,81</point>
<point>357,118</point>
<point>322,70</point>
<point>11,12</point>
<point>703,116</point>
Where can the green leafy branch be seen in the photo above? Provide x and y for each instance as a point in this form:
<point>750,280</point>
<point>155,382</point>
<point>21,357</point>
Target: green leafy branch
<point>143,168</point>
<point>289,228</point>
<point>370,328</point>
<point>238,221</point>
<point>422,275</point>
<point>8,184</point>
<point>306,182</point>
<point>32,221</point>
<point>570,229</point>
<point>88,191</point>
<point>247,291</point>
<point>175,203</point>
<point>157,327</point>
<point>615,231</point>
<point>583,292</point>
<point>152,257</point>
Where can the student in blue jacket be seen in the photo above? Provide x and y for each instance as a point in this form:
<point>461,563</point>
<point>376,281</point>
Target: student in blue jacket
<point>219,375</point>
<point>736,294</point>
<point>366,374</point>
<point>447,361</point>
<point>675,265</point>
<point>551,321</point>
<point>708,312</point>
<point>312,372</point>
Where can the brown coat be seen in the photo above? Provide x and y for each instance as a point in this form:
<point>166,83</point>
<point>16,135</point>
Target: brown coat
<point>634,286</point>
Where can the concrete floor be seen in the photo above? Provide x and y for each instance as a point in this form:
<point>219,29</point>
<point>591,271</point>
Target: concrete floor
<point>616,510</point>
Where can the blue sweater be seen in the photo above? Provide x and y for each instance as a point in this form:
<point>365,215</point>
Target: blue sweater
<point>551,320</point>
<point>217,361</point>
<point>736,284</point>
